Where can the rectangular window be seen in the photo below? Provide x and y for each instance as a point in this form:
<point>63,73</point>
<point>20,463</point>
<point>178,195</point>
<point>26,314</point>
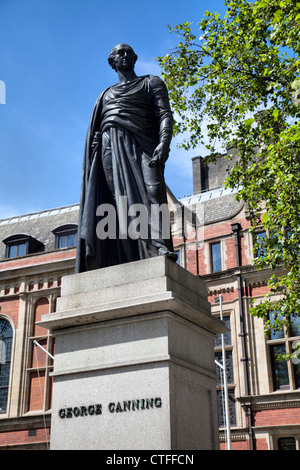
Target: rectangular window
<point>216,261</point>
<point>296,368</point>
<point>221,407</point>
<point>22,245</point>
<point>229,367</point>
<point>260,237</point>
<point>229,375</point>
<point>279,332</point>
<point>286,443</point>
<point>65,240</point>
<point>295,327</point>
<point>18,249</point>
<point>279,368</point>
<point>286,374</point>
<point>227,335</point>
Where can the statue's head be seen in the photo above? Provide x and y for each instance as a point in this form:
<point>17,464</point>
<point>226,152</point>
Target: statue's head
<point>122,56</point>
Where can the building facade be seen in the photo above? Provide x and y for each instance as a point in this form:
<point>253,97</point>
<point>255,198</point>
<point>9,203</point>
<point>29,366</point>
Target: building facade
<point>36,251</point>
<point>264,394</point>
<point>210,231</point>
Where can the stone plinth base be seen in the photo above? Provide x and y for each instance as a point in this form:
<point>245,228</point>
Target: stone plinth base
<point>134,360</point>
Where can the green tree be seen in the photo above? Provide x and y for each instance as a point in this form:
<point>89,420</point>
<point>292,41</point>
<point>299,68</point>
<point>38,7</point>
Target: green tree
<point>239,83</point>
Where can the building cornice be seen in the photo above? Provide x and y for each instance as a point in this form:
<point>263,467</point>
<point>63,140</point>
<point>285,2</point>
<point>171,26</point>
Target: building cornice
<point>30,265</point>
<point>272,401</point>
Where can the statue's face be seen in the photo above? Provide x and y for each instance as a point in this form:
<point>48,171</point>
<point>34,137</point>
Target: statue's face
<point>124,58</point>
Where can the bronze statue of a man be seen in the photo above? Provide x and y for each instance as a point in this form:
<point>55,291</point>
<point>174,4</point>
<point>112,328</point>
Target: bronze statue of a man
<point>127,145</point>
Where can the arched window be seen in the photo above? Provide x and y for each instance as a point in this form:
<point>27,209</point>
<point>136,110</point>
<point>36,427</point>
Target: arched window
<point>6,337</point>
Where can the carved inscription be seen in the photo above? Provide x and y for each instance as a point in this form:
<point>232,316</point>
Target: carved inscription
<point>112,407</point>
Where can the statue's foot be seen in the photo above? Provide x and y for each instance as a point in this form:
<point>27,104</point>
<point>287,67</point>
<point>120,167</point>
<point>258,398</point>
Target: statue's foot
<point>169,254</point>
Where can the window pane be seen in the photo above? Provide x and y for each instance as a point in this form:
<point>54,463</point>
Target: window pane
<point>280,368</point>
<point>6,335</point>
<point>260,239</point>
<point>21,249</point>
<point>4,374</point>
<point>221,407</point>
<point>216,257</point>
<point>71,240</point>
<point>63,240</point>
<point>227,336</point>
<point>278,333</point>
<point>286,443</point>
<point>295,327</point>
<point>297,375</point>
<point>3,399</point>
<point>229,367</point>
<point>13,249</point>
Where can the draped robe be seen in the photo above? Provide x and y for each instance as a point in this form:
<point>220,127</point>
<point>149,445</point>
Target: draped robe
<point>129,120</point>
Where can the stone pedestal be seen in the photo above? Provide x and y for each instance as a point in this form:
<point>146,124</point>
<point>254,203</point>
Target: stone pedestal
<point>134,360</point>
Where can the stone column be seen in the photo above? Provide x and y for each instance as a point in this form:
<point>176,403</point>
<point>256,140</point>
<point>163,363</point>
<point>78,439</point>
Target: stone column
<point>18,363</point>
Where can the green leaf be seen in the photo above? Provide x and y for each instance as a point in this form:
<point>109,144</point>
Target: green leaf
<point>248,123</point>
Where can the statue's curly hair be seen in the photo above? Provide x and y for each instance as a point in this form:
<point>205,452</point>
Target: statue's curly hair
<point>111,57</point>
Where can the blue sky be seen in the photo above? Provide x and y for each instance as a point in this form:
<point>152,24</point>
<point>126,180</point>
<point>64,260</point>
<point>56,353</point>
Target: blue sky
<point>53,62</point>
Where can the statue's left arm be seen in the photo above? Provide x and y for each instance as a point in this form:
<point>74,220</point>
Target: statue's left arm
<point>164,118</point>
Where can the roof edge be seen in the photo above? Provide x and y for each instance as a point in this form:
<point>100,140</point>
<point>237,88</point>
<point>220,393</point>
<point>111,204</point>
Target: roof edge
<point>43,213</point>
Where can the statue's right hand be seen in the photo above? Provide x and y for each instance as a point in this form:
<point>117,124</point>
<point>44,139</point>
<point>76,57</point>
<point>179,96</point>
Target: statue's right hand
<point>96,140</point>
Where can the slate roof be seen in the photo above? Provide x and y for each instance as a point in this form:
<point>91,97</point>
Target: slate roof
<point>217,205</point>
<point>38,225</point>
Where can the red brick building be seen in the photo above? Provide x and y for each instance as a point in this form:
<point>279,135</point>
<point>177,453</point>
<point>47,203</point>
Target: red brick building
<point>264,394</point>
<point>36,250</point>
<point>211,234</point>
